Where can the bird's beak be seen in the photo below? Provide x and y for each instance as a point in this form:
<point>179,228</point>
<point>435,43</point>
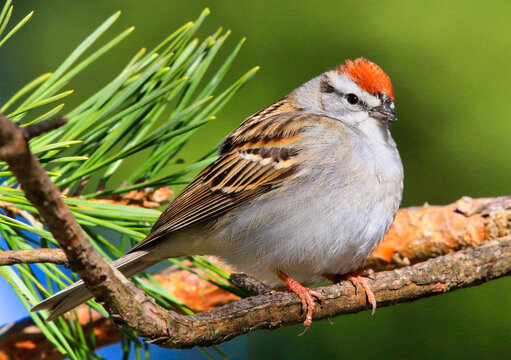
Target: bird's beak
<point>383,114</point>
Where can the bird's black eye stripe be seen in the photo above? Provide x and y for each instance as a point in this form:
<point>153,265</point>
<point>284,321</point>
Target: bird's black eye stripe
<point>327,88</point>
<point>352,99</point>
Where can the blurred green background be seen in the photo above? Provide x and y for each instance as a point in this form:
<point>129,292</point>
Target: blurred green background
<point>450,66</point>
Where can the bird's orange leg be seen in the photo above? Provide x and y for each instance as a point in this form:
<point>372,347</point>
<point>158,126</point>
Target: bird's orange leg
<point>306,296</point>
<point>355,279</point>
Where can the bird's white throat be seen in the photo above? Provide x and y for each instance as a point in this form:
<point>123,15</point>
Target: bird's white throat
<point>375,130</point>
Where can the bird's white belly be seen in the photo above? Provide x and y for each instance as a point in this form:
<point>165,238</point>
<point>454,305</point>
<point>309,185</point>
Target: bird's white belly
<point>300,235</point>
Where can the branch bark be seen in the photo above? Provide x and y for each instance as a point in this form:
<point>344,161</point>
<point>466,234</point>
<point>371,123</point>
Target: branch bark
<point>33,256</point>
<point>418,233</point>
<point>35,130</point>
<point>449,272</point>
<point>421,233</point>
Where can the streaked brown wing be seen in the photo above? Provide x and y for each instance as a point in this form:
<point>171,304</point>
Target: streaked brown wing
<point>249,165</point>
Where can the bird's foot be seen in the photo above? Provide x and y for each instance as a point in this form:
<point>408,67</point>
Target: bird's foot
<point>357,279</point>
<point>306,296</point>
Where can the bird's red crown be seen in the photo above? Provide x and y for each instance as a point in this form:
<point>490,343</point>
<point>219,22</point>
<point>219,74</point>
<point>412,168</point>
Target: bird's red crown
<point>368,76</point>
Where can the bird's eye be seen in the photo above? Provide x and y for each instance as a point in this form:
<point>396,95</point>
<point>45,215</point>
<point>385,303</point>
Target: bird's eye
<point>352,99</point>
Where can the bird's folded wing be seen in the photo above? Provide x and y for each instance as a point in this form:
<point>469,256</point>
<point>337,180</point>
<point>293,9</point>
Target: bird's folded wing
<point>247,167</point>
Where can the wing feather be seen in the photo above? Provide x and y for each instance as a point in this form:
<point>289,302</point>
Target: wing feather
<point>246,168</point>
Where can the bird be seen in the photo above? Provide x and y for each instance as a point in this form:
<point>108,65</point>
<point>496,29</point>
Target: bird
<point>302,190</point>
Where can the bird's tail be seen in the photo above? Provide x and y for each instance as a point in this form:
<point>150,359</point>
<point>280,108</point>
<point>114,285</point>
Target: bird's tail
<point>76,294</point>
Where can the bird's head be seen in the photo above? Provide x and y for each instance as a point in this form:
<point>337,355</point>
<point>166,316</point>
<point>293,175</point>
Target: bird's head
<point>353,92</point>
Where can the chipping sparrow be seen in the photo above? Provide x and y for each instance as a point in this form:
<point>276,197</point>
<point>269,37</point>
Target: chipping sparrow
<point>304,189</point>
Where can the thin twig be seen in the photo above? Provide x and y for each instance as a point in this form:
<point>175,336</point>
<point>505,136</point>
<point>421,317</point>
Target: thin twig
<point>35,130</point>
<point>33,256</point>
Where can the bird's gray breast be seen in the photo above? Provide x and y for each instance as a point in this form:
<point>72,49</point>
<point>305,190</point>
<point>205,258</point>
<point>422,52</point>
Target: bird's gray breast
<point>326,220</point>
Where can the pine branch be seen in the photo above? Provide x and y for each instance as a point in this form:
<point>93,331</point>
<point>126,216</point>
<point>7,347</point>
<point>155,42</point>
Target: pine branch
<point>436,276</point>
<point>125,302</point>
<point>155,103</point>
<point>422,232</point>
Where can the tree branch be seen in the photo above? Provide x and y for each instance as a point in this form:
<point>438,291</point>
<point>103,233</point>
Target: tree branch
<point>446,273</point>
<point>36,130</point>
<point>421,233</point>
<point>449,272</point>
<point>33,256</point>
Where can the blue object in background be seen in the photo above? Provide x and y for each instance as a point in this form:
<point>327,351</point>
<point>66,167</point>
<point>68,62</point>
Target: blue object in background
<point>12,308</point>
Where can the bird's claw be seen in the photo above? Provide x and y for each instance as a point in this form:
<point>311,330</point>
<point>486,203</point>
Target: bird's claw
<point>356,279</point>
<point>306,296</point>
